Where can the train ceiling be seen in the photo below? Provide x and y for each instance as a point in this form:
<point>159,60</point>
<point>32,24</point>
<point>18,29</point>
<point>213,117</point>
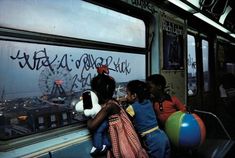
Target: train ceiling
<point>221,12</point>
<point>216,9</point>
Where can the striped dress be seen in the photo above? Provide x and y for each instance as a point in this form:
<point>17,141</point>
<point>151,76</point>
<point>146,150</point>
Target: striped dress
<point>125,141</point>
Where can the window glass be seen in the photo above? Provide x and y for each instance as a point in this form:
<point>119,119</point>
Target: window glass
<point>192,69</point>
<point>39,82</point>
<point>205,62</point>
<point>230,68</point>
<point>73,18</point>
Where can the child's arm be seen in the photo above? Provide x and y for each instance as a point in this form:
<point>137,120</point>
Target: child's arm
<point>180,106</point>
<point>93,123</point>
<point>107,110</point>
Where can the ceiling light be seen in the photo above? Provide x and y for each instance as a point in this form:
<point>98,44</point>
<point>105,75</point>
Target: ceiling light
<point>182,5</point>
<point>232,34</point>
<point>211,22</point>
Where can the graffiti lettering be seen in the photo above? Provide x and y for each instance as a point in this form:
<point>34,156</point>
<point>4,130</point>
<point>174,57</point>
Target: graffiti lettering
<point>86,64</point>
<point>191,62</point>
<point>143,4</point>
<point>215,7</point>
<point>40,59</point>
<point>64,63</point>
<point>122,67</point>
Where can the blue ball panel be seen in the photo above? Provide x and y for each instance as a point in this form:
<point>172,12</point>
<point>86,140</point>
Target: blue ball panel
<point>189,132</point>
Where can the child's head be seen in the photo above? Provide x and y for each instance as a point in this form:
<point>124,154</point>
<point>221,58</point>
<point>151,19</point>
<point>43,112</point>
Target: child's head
<point>104,86</point>
<point>137,91</point>
<point>156,84</point>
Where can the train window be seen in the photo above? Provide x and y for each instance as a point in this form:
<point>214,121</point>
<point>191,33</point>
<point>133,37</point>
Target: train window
<point>38,83</point>
<point>77,19</point>
<point>192,69</point>
<point>230,68</point>
<point>40,80</point>
<point>205,62</point>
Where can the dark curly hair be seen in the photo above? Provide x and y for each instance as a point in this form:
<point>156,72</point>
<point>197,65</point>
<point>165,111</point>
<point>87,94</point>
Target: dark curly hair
<point>139,88</point>
<point>104,86</point>
<point>158,80</point>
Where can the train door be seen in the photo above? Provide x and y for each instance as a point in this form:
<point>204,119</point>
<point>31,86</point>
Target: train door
<point>201,80</point>
<point>225,71</point>
<point>200,72</point>
<point>203,95</point>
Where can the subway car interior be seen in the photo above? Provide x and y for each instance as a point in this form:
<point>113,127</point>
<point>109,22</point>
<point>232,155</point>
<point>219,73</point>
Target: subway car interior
<point>49,52</point>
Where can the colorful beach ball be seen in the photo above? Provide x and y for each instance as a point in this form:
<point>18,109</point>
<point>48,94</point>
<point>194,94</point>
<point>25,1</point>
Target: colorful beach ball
<point>185,130</point>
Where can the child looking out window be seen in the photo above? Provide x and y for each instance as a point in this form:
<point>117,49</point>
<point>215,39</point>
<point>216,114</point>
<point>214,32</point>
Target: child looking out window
<point>144,119</point>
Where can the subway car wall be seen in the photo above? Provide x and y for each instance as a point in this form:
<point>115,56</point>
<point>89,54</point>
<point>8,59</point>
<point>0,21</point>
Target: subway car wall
<point>50,51</point>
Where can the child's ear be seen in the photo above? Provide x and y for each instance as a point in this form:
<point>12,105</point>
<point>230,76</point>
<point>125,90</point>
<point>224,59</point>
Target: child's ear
<point>133,96</point>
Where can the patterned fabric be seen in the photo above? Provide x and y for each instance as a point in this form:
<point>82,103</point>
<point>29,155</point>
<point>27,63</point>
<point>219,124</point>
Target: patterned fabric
<point>125,141</point>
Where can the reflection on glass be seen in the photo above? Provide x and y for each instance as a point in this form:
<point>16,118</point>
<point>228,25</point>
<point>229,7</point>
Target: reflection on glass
<point>205,62</point>
<point>192,69</point>
<point>39,83</point>
<point>73,18</point>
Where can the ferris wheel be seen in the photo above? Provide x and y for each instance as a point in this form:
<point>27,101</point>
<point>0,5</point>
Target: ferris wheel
<point>55,81</point>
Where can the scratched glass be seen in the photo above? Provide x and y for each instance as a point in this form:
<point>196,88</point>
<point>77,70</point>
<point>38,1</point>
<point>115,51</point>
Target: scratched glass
<point>70,18</point>
<point>39,82</point>
<point>192,69</point>
<point>205,62</point>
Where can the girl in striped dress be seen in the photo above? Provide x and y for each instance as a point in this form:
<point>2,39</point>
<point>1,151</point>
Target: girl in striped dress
<point>124,140</point>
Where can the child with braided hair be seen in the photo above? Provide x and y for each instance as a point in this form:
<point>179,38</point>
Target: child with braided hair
<point>90,106</point>
<point>124,140</point>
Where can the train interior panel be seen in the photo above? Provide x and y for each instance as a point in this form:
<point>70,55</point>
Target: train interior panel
<point>50,51</point>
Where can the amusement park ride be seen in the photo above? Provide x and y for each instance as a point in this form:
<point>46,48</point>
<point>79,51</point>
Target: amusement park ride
<point>53,109</point>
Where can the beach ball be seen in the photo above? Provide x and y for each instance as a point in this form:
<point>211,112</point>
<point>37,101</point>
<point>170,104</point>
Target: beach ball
<point>185,130</point>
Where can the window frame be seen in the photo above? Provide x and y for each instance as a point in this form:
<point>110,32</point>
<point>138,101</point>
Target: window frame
<point>42,38</point>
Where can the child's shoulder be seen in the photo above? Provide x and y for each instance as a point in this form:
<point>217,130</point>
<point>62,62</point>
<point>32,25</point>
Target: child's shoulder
<point>112,106</point>
<point>174,98</point>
